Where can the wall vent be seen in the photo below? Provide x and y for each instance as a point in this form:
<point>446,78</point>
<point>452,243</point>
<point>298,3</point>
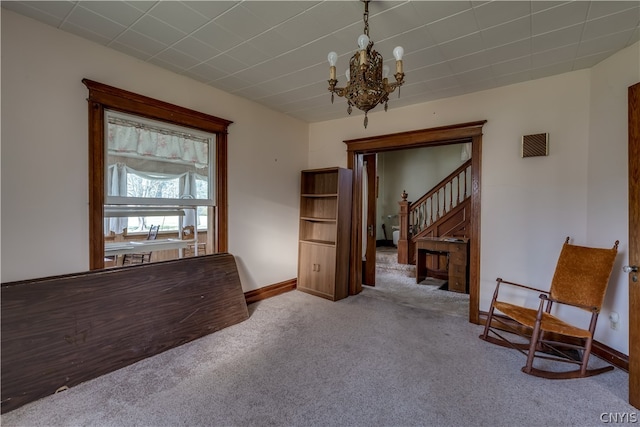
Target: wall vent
<point>535,145</point>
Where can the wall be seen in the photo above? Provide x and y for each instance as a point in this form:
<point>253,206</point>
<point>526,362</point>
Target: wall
<point>607,195</point>
<point>45,161</point>
<point>530,205</point>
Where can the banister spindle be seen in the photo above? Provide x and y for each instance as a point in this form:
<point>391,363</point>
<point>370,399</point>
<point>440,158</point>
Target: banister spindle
<point>465,183</point>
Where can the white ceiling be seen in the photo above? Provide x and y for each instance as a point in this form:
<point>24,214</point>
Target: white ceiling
<point>274,52</point>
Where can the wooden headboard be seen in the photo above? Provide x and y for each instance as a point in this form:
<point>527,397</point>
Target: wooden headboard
<point>60,331</point>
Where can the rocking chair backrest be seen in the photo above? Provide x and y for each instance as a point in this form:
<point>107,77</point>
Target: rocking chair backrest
<point>582,274</point>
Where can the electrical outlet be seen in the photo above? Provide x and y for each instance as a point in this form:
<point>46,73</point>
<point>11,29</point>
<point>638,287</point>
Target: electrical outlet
<point>614,318</point>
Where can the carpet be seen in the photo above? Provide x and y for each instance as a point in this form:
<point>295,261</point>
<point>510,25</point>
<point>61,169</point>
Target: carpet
<point>367,360</point>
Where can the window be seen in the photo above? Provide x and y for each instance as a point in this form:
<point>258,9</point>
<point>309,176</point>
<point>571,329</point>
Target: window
<point>178,166</point>
<point>150,163</point>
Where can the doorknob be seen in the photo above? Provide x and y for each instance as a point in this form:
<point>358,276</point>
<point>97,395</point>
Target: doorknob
<point>630,268</point>
<point>370,228</point>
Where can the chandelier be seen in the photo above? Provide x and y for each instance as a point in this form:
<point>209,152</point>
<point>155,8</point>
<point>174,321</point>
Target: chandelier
<point>367,83</point>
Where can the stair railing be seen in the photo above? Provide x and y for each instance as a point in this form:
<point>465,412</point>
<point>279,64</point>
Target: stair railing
<point>416,216</point>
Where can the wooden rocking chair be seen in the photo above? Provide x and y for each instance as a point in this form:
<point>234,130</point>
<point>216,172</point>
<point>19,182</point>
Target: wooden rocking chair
<point>580,280</point>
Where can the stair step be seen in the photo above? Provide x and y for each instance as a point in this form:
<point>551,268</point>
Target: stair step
<point>401,272</point>
<point>387,260</point>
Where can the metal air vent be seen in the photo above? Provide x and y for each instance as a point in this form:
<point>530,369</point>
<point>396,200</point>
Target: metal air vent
<point>535,145</point>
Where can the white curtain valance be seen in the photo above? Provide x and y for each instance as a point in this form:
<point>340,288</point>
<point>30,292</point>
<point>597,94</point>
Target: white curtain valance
<point>124,137</point>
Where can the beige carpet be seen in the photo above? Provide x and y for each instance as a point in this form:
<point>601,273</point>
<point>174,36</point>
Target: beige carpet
<point>397,283</point>
<point>367,360</point>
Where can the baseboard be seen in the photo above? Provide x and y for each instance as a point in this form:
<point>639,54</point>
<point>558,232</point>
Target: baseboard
<point>270,291</point>
<point>616,358</point>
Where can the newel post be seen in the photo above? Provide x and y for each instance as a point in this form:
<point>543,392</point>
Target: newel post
<point>403,240</point>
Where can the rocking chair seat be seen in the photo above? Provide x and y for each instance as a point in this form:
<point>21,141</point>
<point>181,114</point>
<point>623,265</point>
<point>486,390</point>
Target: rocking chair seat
<point>550,323</point>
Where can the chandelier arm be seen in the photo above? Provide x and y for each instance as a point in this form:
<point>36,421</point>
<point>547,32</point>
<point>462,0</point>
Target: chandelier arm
<point>340,91</point>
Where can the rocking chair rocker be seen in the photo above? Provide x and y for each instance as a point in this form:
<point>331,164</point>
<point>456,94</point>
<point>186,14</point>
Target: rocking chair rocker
<point>580,280</point>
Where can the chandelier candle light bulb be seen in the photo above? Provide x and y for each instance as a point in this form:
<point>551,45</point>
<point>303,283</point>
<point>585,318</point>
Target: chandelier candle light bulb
<point>333,59</point>
<point>397,54</point>
<point>367,81</point>
<point>363,42</point>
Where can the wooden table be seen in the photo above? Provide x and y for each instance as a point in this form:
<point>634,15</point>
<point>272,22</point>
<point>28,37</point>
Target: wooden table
<point>457,252</point>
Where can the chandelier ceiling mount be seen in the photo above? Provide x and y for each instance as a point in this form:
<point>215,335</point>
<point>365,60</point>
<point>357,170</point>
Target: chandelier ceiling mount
<point>367,82</point>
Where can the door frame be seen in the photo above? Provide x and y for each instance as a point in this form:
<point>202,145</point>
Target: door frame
<point>369,275</point>
<point>432,137</point>
<point>634,242</point>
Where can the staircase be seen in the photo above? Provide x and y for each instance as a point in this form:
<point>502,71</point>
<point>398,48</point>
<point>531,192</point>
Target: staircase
<point>387,261</point>
<point>442,211</point>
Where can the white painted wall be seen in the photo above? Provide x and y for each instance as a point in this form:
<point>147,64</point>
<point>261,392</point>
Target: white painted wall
<point>607,194</point>
<point>530,205</point>
<point>45,157</point>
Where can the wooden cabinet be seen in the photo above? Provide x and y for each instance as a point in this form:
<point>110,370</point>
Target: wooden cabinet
<point>325,232</point>
<point>457,252</point>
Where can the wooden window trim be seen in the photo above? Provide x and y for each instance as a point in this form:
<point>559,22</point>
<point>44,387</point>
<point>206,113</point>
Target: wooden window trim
<point>102,97</point>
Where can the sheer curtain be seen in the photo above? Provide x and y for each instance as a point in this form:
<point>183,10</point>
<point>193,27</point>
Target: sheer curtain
<point>117,186</point>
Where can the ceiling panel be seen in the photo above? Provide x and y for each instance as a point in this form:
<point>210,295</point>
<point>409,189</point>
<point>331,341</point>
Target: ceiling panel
<point>94,22</point>
<point>179,15</point>
<point>490,14</point>
<point>124,15</point>
<point>274,52</point>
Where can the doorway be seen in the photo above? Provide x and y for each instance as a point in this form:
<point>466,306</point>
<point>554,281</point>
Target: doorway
<point>357,149</point>
<point>435,181</point>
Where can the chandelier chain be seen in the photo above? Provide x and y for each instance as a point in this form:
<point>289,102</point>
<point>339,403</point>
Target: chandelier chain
<point>365,17</point>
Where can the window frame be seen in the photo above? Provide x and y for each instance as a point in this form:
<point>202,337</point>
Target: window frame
<point>103,97</point>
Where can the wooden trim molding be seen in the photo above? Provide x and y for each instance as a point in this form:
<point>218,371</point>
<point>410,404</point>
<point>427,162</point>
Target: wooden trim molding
<point>270,291</point>
<point>634,241</point>
<point>616,358</point>
<point>101,97</point>
<point>470,132</point>
<point>125,101</point>
<point>417,138</point>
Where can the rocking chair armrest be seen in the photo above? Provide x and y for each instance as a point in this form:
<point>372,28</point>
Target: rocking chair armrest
<point>590,308</point>
<point>499,280</point>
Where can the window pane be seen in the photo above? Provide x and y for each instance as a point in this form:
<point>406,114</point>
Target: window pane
<point>139,186</point>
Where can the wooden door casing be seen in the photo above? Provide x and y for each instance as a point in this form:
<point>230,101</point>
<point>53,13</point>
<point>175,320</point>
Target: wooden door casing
<point>634,244</point>
<point>369,276</point>
<point>453,134</point>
